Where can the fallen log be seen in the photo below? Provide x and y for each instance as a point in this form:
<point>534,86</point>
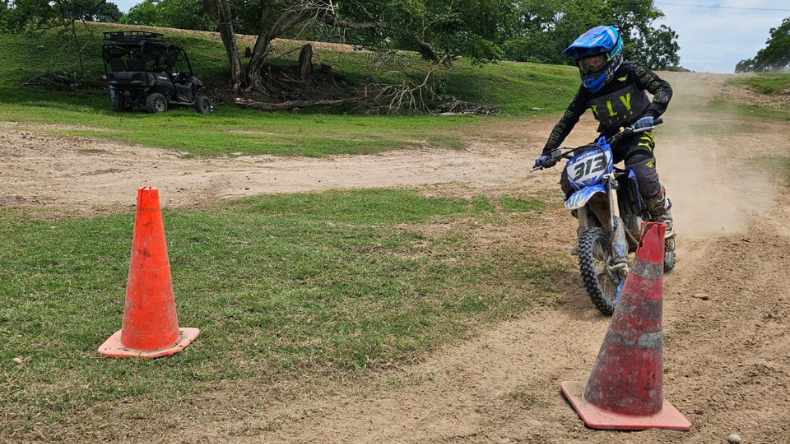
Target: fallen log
<point>289,105</point>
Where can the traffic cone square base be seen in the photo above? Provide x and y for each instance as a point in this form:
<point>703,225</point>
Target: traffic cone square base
<point>150,324</point>
<point>667,418</point>
<point>624,390</point>
<point>114,348</point>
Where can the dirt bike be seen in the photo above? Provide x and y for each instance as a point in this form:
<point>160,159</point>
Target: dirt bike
<point>610,223</point>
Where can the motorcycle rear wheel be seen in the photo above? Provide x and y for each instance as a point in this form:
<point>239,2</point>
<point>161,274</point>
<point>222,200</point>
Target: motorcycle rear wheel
<point>595,259</point>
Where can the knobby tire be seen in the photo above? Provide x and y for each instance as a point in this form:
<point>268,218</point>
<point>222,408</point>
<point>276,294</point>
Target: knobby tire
<point>596,249</point>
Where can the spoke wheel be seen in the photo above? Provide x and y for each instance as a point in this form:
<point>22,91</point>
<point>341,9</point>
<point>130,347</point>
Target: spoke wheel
<point>603,285</point>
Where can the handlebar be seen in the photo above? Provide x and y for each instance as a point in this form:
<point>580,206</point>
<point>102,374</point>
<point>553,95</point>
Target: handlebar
<point>557,154</point>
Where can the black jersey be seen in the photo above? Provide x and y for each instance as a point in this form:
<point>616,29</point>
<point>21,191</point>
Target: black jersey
<point>621,102</point>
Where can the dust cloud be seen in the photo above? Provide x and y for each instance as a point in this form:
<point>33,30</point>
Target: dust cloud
<point>713,190</point>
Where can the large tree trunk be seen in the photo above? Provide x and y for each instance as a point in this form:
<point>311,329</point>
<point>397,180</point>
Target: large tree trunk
<point>255,68</point>
<point>220,11</point>
<point>305,64</point>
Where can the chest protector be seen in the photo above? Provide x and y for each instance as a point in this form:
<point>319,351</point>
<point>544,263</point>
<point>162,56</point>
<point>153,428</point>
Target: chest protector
<point>615,109</point>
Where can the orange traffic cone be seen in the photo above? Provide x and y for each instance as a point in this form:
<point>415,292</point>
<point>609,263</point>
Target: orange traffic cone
<point>624,391</point>
<point>150,325</point>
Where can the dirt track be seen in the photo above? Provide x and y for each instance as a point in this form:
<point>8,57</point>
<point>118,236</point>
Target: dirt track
<point>726,306</point>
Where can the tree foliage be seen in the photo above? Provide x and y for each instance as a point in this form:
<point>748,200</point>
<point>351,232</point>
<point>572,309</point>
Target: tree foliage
<point>21,15</point>
<point>776,54</point>
<point>64,15</point>
<point>93,11</point>
<point>438,29</point>
<point>544,28</point>
<point>180,14</point>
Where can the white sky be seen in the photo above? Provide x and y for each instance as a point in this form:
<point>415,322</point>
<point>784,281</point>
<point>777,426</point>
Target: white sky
<point>713,35</point>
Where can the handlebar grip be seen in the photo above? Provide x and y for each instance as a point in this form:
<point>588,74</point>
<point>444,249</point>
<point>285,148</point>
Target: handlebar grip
<point>658,121</point>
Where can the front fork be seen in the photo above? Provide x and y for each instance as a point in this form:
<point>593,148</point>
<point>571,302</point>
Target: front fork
<point>619,242</point>
<point>613,225</point>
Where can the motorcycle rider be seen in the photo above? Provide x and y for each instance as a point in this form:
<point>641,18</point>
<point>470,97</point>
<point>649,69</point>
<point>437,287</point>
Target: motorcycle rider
<point>615,91</point>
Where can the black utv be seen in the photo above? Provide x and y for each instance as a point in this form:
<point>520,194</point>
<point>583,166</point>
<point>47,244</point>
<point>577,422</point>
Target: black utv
<point>143,70</point>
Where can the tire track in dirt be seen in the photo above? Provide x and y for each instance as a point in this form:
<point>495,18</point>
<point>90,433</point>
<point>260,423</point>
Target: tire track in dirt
<point>725,320</point>
<point>726,306</point>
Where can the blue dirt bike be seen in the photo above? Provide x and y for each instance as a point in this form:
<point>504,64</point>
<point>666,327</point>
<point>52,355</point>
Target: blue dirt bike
<point>610,211</point>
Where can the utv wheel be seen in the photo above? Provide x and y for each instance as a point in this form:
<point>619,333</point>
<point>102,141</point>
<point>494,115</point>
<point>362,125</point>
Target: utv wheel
<point>117,102</point>
<point>121,103</point>
<point>595,258</point>
<point>156,103</point>
<point>203,105</point>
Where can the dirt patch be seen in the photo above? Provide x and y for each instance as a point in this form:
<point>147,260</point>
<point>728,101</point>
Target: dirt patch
<point>726,306</point>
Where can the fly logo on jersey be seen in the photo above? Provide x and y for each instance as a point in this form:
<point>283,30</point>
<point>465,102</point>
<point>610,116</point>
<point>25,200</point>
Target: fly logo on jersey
<point>626,99</point>
<point>620,106</point>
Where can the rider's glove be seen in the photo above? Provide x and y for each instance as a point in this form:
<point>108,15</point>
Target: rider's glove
<point>644,122</point>
<point>544,161</point>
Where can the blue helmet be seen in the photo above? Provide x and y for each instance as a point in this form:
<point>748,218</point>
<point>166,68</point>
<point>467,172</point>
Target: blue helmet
<point>601,40</point>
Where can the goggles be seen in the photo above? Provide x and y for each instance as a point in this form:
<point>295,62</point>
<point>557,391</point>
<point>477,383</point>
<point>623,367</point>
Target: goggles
<point>593,64</point>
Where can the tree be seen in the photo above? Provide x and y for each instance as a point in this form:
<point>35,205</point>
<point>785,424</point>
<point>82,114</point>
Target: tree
<point>438,29</point>
<point>537,35</point>
<point>545,28</point>
<point>145,13</point>
<point>776,54</point>
<point>93,11</point>
<point>20,15</point>
<point>180,14</point>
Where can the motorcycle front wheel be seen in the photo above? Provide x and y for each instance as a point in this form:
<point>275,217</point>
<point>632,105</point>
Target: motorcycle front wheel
<point>595,260</point>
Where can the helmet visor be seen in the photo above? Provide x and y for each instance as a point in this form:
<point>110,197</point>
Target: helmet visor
<point>593,64</point>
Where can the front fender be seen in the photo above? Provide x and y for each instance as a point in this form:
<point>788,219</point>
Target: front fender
<point>581,197</point>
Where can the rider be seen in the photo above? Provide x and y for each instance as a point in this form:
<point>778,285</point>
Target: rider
<point>615,91</point>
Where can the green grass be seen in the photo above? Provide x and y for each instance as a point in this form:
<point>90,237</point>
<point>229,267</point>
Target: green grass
<point>320,283</point>
<point>764,83</point>
<point>744,110</point>
<point>232,132</point>
<point>778,166</point>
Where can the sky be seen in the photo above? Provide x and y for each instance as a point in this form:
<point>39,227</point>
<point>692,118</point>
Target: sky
<point>713,35</point>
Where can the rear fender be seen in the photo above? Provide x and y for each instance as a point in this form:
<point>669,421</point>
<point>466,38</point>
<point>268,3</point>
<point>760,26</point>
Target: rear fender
<point>581,197</point>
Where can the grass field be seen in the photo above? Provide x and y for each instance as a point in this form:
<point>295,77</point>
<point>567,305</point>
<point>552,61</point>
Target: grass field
<point>321,283</point>
<point>765,83</point>
<point>279,285</point>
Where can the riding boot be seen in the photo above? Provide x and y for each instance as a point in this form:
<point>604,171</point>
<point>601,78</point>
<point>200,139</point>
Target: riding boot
<point>660,209</point>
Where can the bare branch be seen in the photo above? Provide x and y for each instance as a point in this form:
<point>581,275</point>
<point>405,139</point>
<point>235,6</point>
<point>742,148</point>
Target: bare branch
<point>247,103</point>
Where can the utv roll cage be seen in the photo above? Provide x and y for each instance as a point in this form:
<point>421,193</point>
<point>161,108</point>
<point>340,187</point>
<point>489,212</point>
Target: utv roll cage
<point>142,69</point>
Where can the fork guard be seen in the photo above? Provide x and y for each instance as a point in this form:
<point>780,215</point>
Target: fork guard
<point>581,197</point>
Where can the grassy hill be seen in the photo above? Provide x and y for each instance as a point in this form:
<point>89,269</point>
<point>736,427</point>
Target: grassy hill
<point>518,89</point>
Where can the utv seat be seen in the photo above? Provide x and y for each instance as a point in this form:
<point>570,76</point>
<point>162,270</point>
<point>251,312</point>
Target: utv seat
<point>136,65</point>
<point>117,65</point>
